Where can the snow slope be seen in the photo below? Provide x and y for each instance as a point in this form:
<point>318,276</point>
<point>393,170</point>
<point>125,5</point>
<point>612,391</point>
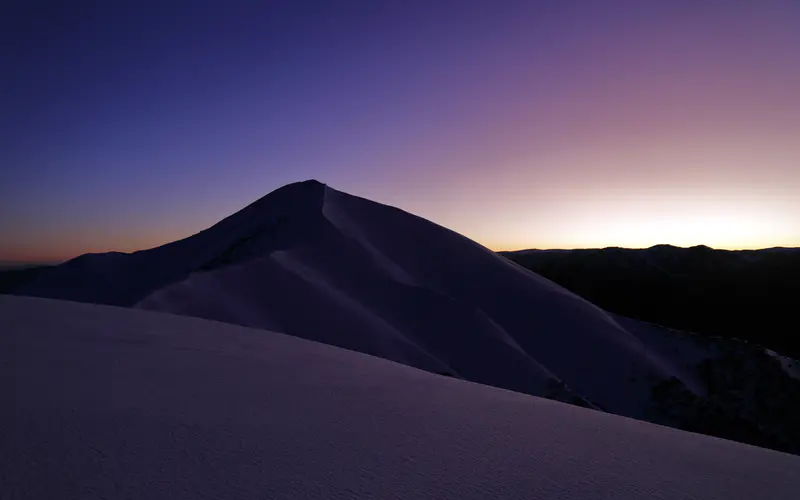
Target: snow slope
<point>313,262</point>
<point>375,279</point>
<point>107,402</point>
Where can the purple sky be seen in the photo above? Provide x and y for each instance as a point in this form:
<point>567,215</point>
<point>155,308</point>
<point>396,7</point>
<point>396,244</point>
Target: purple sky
<point>124,125</point>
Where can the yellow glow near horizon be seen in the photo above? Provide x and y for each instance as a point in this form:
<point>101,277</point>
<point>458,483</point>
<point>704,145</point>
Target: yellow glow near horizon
<point>685,229</point>
<point>738,193</point>
<point>642,226</point>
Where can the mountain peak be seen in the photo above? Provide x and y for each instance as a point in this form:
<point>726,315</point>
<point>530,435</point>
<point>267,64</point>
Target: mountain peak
<point>307,182</point>
<point>296,196</point>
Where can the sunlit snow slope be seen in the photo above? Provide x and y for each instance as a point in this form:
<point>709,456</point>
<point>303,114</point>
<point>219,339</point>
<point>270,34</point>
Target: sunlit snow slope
<point>313,262</point>
<point>106,402</point>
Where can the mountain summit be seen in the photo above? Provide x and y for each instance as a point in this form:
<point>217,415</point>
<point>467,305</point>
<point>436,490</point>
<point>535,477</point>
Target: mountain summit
<point>313,262</point>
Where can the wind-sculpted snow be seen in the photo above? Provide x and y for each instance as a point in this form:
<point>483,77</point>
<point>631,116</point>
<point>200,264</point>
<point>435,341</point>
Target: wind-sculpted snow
<point>316,263</point>
<point>107,402</point>
<point>375,279</point>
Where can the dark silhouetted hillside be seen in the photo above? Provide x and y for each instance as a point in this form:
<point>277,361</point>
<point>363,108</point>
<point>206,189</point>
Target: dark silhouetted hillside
<point>11,279</point>
<point>751,294</point>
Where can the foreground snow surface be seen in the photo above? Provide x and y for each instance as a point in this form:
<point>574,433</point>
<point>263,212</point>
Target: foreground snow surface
<point>106,402</point>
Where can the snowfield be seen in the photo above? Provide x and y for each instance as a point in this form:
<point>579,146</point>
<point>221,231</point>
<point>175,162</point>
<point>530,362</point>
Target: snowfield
<point>312,262</point>
<point>109,402</point>
<point>316,263</point>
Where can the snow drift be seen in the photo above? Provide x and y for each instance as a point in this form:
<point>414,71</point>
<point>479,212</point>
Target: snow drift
<point>107,402</point>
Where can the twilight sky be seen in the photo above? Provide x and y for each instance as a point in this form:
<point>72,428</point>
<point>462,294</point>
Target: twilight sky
<point>519,123</point>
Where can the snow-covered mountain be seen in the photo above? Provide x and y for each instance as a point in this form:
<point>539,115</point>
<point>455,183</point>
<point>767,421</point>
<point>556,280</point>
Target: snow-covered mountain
<point>107,402</point>
<point>313,262</point>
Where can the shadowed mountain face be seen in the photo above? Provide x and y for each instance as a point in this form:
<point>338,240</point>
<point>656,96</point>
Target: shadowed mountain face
<point>121,279</point>
<point>316,263</point>
<point>13,278</point>
<point>751,294</point>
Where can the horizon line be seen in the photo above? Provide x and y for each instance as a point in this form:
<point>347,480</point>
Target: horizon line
<point>6,264</point>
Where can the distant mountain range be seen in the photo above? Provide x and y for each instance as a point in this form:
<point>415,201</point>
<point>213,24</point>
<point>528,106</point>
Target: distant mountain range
<point>748,294</point>
<point>312,262</point>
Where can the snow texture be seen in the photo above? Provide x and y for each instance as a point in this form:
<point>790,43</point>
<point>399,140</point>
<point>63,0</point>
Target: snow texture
<point>108,402</point>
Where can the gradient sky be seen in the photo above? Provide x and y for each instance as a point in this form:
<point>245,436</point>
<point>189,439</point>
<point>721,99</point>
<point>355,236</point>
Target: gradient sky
<point>125,125</point>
